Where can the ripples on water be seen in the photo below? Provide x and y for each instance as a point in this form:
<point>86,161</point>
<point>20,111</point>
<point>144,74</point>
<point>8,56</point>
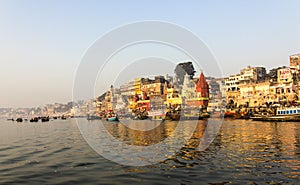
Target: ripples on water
<point>243,153</point>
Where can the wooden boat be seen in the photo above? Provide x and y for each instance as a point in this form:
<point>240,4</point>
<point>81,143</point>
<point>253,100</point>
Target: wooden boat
<point>113,119</point>
<point>289,114</point>
<point>45,119</point>
<point>19,120</point>
<point>140,117</point>
<point>201,116</point>
<point>229,114</point>
<point>34,119</point>
<point>277,118</point>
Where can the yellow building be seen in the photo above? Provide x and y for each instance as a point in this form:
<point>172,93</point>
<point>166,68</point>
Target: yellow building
<point>138,86</point>
<point>232,97</point>
<point>173,97</point>
<point>254,94</point>
<point>153,88</point>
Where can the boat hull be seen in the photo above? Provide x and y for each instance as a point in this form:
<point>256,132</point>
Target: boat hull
<point>113,119</point>
<point>277,118</point>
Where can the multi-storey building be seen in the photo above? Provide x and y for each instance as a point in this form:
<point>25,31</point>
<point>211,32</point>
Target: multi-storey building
<point>247,75</point>
<point>214,88</point>
<point>154,87</point>
<point>138,86</point>
<point>222,86</point>
<point>127,89</point>
<point>295,62</point>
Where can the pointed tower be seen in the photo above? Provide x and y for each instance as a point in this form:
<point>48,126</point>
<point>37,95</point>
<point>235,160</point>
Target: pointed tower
<point>202,89</point>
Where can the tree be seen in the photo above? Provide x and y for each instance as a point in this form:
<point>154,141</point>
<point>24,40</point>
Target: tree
<point>182,69</point>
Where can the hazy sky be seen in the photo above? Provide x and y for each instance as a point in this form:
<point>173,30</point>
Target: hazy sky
<point>42,42</point>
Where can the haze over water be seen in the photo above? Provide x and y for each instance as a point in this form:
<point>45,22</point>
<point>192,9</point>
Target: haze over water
<point>244,152</point>
<point>42,43</point>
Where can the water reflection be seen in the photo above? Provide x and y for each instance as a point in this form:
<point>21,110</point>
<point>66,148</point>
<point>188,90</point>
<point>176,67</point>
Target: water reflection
<point>243,153</point>
<point>271,148</point>
<point>160,131</point>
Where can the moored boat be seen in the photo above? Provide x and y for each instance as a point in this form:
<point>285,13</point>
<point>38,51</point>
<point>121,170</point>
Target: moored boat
<point>277,118</point>
<point>45,119</point>
<point>229,114</point>
<point>35,119</point>
<point>287,114</point>
<point>19,120</point>
<point>113,119</point>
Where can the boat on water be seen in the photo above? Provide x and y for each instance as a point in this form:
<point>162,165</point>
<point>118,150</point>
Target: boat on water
<point>229,114</point>
<point>241,114</point>
<point>93,118</point>
<point>35,119</point>
<point>113,119</point>
<point>19,120</point>
<point>200,116</point>
<point>277,118</point>
<point>287,114</point>
<point>45,119</point>
<point>140,117</point>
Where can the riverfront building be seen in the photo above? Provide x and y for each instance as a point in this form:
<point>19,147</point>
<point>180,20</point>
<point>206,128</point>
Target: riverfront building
<point>143,93</point>
<point>253,87</point>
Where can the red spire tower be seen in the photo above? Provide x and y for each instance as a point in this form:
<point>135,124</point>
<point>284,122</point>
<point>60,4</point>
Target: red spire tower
<point>202,89</point>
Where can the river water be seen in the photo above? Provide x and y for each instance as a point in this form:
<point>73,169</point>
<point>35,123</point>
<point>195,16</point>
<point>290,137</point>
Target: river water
<point>244,152</point>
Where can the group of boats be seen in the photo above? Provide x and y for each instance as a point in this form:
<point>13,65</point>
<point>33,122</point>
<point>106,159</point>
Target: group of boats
<point>172,116</point>
<point>112,118</point>
<point>37,119</point>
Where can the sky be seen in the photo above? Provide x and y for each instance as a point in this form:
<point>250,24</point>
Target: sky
<point>42,42</point>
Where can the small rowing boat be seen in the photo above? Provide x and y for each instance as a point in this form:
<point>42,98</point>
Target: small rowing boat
<point>113,119</point>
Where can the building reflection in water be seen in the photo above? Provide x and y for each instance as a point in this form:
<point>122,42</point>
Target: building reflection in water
<point>258,149</point>
<point>144,137</point>
<point>262,146</point>
<point>161,130</point>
